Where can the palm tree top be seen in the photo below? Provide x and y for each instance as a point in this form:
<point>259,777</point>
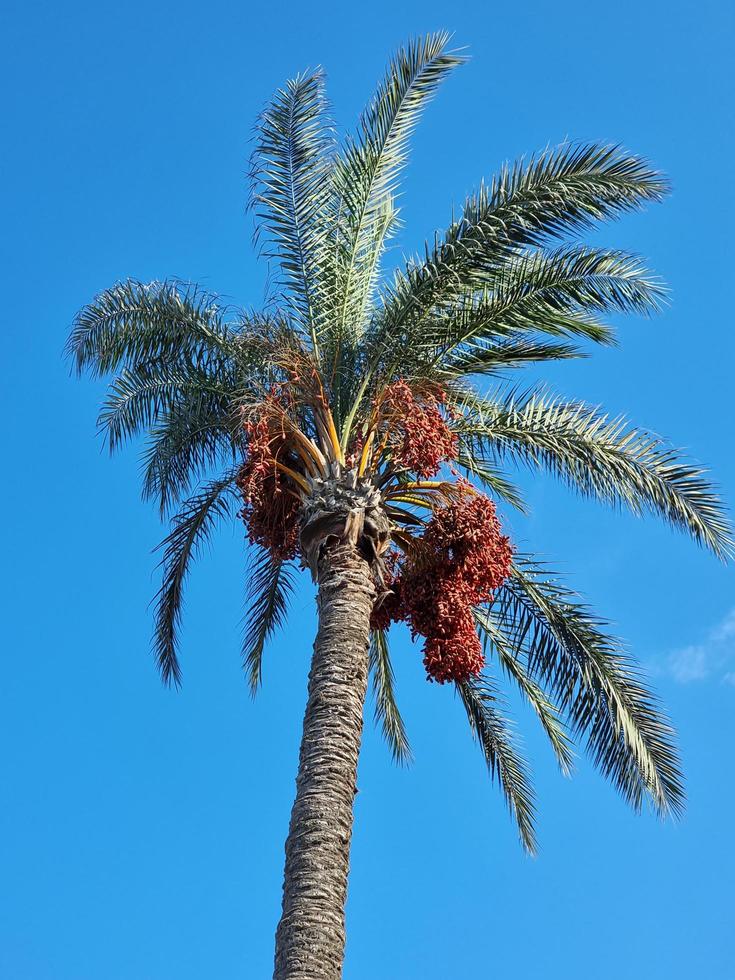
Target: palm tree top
<point>392,388</point>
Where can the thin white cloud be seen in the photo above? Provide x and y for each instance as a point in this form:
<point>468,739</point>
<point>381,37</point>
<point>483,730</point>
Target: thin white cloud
<point>712,659</point>
<point>689,664</point>
<point>726,630</point>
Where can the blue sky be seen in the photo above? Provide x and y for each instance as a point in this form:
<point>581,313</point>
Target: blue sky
<point>142,829</point>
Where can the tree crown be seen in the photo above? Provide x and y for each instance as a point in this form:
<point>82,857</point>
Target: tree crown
<point>350,371</point>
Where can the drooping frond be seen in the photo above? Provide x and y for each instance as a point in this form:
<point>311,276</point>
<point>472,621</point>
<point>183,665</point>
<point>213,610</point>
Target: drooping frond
<point>598,455</point>
<point>141,396</point>
<point>568,653</point>
<point>135,322</point>
<point>480,701</point>
<point>194,437</point>
<point>191,527</point>
<point>290,171</point>
<point>270,586</point>
<point>500,646</point>
<point>387,714</point>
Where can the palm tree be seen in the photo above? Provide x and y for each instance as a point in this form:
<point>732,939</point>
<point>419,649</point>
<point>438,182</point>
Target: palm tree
<point>348,425</point>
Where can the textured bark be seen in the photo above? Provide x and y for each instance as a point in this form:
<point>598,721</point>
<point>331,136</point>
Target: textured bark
<point>310,940</point>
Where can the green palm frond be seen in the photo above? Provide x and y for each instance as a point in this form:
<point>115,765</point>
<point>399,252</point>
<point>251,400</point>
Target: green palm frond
<point>139,397</point>
<point>490,727</point>
<point>557,292</point>
<point>598,455</point>
<point>528,204</point>
<point>290,170</point>
<point>561,191</point>
<point>482,358</point>
<point>135,322</point>
<point>387,714</point>
<point>270,586</point>
<point>366,171</point>
<point>548,713</point>
<point>489,476</point>
<point>567,651</point>
<point>191,527</point>
<point>560,293</point>
<point>195,437</point>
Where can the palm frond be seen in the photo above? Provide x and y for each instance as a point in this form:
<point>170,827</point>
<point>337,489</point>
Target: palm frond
<point>139,397</point>
<point>598,455</point>
<point>197,435</point>
<point>191,527</point>
<point>561,191</point>
<point>290,171</point>
<point>367,170</point>
<point>567,651</point>
<point>270,586</point>
<point>489,476</point>
<point>134,322</point>
<point>480,701</point>
<point>557,292</point>
<point>481,358</point>
<point>512,664</point>
<point>528,204</point>
<point>387,714</point>
<point>560,293</point>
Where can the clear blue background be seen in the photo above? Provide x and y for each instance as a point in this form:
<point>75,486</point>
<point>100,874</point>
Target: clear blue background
<point>142,829</point>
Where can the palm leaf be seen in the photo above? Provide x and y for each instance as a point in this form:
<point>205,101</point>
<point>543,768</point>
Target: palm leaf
<point>142,396</point>
<point>270,586</point>
<point>568,653</point>
<point>290,189</point>
<point>483,358</point>
<point>134,322</point>
<point>600,456</point>
<point>528,204</point>
<point>192,526</point>
<point>387,714</point>
<point>504,764</point>
<point>561,191</point>
<point>367,169</point>
<point>547,712</point>
<point>557,292</point>
<point>560,293</point>
<point>197,435</point>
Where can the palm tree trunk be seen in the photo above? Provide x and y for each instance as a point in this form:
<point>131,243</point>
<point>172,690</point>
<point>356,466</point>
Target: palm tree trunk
<point>310,939</point>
